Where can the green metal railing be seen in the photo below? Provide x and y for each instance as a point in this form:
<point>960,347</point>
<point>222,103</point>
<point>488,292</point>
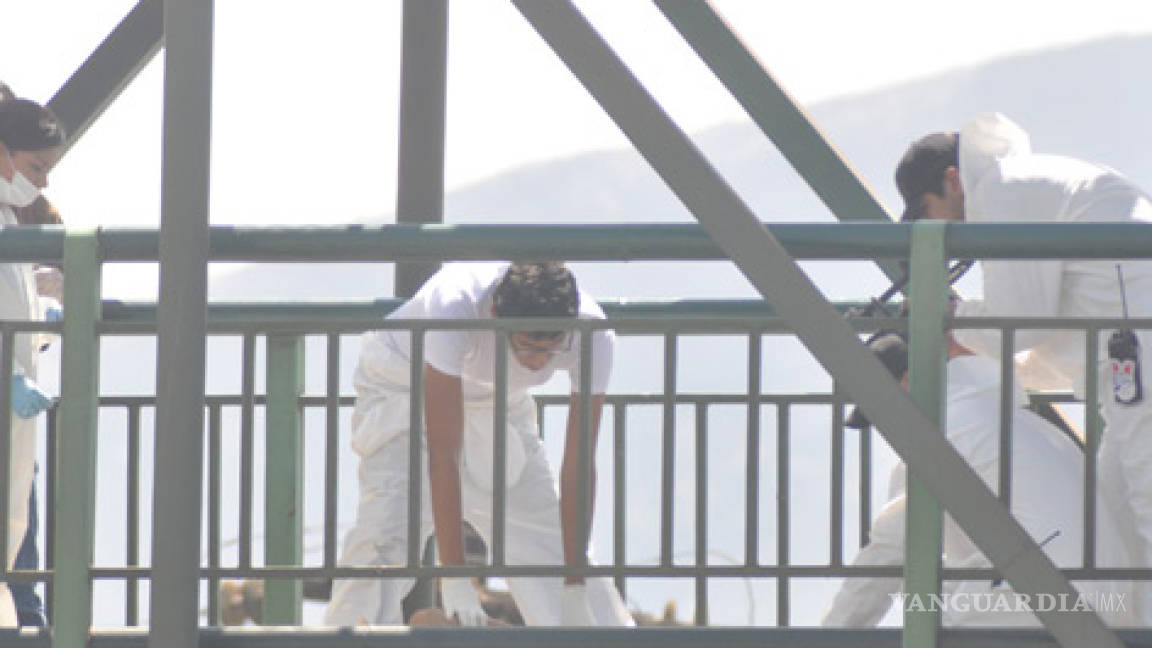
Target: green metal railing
<point>286,325</point>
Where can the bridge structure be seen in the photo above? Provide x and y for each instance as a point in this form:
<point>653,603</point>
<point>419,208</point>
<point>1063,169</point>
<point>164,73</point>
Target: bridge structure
<point>187,432</point>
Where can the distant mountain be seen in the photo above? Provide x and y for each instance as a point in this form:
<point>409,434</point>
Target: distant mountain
<point>1081,100</point>
<point>1078,100</point>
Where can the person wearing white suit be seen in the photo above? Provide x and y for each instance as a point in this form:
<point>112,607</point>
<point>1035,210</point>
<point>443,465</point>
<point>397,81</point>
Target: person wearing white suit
<point>30,138</point>
<point>988,173</point>
<point>541,524</point>
<point>1047,481</point>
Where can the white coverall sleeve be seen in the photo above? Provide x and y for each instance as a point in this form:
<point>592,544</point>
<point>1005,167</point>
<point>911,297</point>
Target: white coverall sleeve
<point>991,145</point>
<point>1013,289</point>
<point>864,601</point>
<point>14,294</point>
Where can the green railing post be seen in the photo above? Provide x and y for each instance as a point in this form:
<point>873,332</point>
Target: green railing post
<point>284,488</point>
<point>927,344</point>
<point>76,445</point>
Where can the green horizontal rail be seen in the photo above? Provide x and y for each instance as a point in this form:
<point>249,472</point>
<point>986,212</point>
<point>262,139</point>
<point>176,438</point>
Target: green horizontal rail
<point>580,637</point>
<point>631,241</point>
<point>370,312</point>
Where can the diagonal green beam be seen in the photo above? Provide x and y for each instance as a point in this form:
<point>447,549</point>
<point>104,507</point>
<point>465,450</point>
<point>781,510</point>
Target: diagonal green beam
<point>109,69</point>
<point>778,115</point>
<point>766,264</point>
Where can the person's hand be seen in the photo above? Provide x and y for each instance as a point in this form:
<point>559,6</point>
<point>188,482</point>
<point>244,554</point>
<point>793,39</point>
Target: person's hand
<point>28,400</point>
<point>574,610</point>
<point>461,602</point>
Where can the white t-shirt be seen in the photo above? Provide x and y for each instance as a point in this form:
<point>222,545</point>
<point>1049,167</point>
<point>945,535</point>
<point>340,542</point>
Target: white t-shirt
<point>464,291</point>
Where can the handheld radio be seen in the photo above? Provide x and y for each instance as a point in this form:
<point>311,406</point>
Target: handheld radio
<point>1124,358</point>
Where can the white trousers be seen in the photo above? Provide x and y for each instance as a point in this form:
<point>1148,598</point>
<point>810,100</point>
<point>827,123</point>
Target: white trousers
<point>1125,478</point>
<point>22,467</point>
<point>532,531</point>
<point>1124,468</point>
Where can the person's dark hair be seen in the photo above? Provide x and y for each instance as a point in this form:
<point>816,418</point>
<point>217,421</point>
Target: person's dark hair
<point>40,212</point>
<point>545,289</point>
<point>921,170</point>
<point>27,126</point>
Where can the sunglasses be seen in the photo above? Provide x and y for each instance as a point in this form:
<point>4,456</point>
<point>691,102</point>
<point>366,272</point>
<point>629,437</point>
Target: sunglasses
<point>525,345</point>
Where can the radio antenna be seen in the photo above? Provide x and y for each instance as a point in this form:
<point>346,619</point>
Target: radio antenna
<point>1123,297</point>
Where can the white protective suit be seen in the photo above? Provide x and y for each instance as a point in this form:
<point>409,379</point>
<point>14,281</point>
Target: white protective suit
<point>1047,479</point>
<point>19,301</point>
<point>1003,181</point>
<point>380,436</point>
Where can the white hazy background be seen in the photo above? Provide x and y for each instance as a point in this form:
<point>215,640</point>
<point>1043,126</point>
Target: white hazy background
<point>305,132</point>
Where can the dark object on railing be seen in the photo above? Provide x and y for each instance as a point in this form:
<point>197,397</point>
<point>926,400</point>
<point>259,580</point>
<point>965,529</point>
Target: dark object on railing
<point>878,306</point>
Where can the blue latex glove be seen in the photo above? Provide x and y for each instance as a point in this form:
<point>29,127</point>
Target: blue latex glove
<point>54,314</point>
<point>28,400</point>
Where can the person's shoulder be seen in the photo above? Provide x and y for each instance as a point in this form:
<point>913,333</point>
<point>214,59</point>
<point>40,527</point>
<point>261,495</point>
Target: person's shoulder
<point>460,289</point>
<point>471,273</point>
<point>1044,169</point>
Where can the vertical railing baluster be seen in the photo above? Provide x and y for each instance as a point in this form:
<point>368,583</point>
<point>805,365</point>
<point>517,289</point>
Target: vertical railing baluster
<point>75,498</point>
<point>499,446</point>
<point>415,439</point>
<point>587,459</point>
<point>331,448</point>
<point>701,511</point>
<point>836,528</point>
<point>49,508</point>
<point>783,559</point>
<point>752,465</point>
<point>619,492</point>
<point>247,447</point>
<point>865,484</point>
<point>928,297</point>
<point>1007,407</point>
<point>132,585</point>
<point>668,453</point>
<point>214,490</point>
<point>284,477</point>
<point>1092,424</point>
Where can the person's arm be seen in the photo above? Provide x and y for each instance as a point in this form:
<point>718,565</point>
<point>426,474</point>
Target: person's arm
<point>444,421</point>
<point>576,545</point>
<point>1012,289</point>
<point>863,601</point>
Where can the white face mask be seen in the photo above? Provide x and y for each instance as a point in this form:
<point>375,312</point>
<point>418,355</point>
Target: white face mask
<point>20,192</point>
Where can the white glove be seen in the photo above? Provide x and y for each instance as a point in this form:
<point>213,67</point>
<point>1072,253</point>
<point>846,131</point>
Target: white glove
<point>574,610</point>
<point>462,602</point>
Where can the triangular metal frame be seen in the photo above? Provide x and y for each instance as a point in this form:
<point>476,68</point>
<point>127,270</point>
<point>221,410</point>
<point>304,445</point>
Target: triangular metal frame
<point>732,225</point>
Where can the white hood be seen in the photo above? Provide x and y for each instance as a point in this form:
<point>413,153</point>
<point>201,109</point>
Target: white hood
<point>985,139</point>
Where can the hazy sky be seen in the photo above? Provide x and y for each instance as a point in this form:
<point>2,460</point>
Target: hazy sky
<point>306,92</point>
